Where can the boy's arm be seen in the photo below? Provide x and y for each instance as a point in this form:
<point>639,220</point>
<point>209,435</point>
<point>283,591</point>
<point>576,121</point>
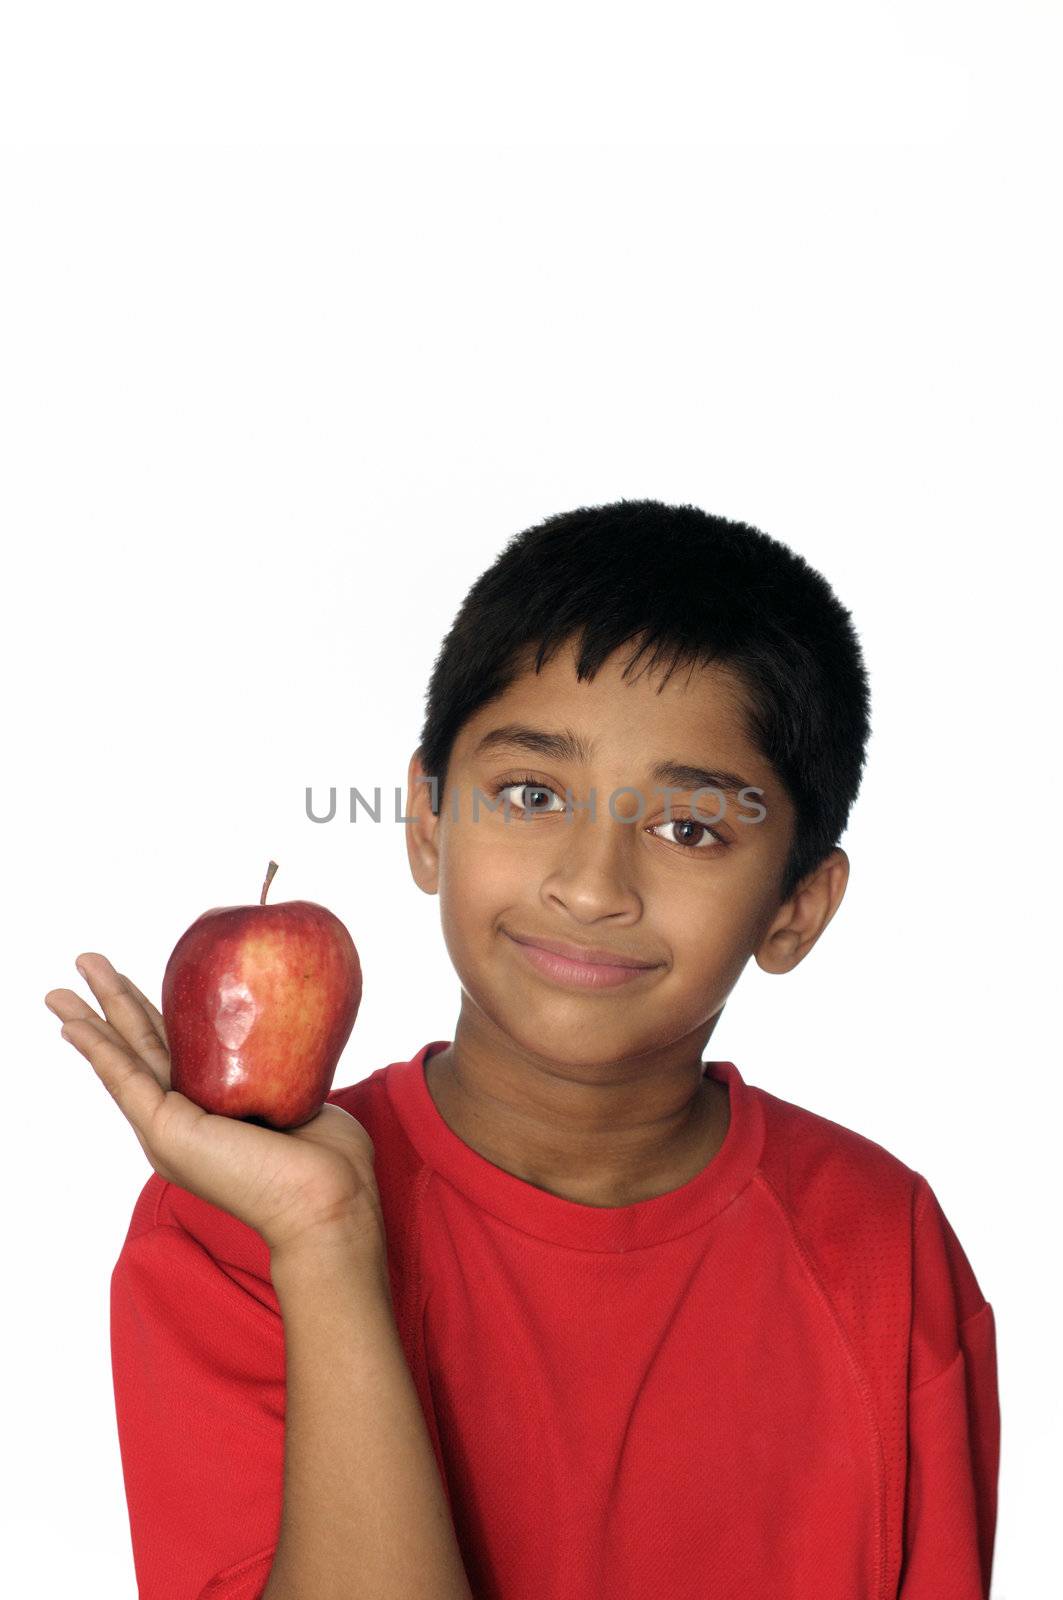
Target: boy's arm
<point>365,1512</point>
<point>198,1367</point>
<point>215,1489</point>
<point>954,1446</point>
<point>953,1423</point>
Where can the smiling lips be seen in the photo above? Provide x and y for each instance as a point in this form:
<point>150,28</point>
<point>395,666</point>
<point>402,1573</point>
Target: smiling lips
<point>588,968</point>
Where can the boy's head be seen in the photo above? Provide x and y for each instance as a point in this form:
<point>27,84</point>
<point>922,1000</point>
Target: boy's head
<point>655,634</point>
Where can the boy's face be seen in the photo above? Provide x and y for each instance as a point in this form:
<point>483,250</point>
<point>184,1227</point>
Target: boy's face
<point>665,892</point>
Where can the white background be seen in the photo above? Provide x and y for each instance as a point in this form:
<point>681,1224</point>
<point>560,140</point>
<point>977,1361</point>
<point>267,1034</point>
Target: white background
<point>304,312</point>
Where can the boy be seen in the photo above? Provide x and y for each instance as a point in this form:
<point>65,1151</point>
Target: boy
<point>670,1335</point>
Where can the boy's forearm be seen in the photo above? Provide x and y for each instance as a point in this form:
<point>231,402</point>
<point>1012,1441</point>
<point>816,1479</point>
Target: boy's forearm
<point>365,1516</point>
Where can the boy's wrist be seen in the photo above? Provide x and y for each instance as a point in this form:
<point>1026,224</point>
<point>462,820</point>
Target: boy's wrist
<point>351,1247</point>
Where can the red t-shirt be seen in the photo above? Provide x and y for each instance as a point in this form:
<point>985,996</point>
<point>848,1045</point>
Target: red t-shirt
<point>778,1380</point>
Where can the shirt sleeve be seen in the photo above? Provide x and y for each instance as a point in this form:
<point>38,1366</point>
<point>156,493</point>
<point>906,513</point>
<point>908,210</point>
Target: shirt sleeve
<point>198,1367</point>
<point>953,1421</point>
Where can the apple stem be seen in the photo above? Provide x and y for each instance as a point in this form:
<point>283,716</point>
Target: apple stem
<point>270,870</point>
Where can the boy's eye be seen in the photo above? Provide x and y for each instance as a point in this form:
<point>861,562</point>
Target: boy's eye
<point>703,837</point>
<point>526,786</point>
<point>694,836</point>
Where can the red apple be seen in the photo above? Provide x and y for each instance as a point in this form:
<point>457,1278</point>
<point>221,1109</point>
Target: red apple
<point>258,1003</point>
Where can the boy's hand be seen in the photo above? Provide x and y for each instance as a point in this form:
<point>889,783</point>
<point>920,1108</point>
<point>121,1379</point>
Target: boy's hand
<point>296,1188</point>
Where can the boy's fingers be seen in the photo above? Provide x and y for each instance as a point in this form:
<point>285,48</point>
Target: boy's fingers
<point>153,1012</point>
<point>137,1091</point>
<point>70,1007</point>
<point>125,1012</point>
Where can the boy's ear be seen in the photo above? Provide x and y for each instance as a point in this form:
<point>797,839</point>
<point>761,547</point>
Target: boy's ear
<point>421,826</point>
<point>799,922</point>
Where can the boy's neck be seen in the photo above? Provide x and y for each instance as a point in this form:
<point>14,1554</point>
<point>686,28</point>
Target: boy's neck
<point>593,1143</point>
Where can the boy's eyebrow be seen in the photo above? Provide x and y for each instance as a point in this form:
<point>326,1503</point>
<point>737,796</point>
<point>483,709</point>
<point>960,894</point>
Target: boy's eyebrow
<point>569,746</point>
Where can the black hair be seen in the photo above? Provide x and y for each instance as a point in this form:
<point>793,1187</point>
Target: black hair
<point>704,588</point>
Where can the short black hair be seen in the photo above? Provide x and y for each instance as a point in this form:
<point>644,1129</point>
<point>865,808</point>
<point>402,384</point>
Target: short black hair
<point>702,587</point>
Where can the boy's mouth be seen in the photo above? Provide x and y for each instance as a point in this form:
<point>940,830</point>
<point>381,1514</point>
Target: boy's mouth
<point>590,965</point>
